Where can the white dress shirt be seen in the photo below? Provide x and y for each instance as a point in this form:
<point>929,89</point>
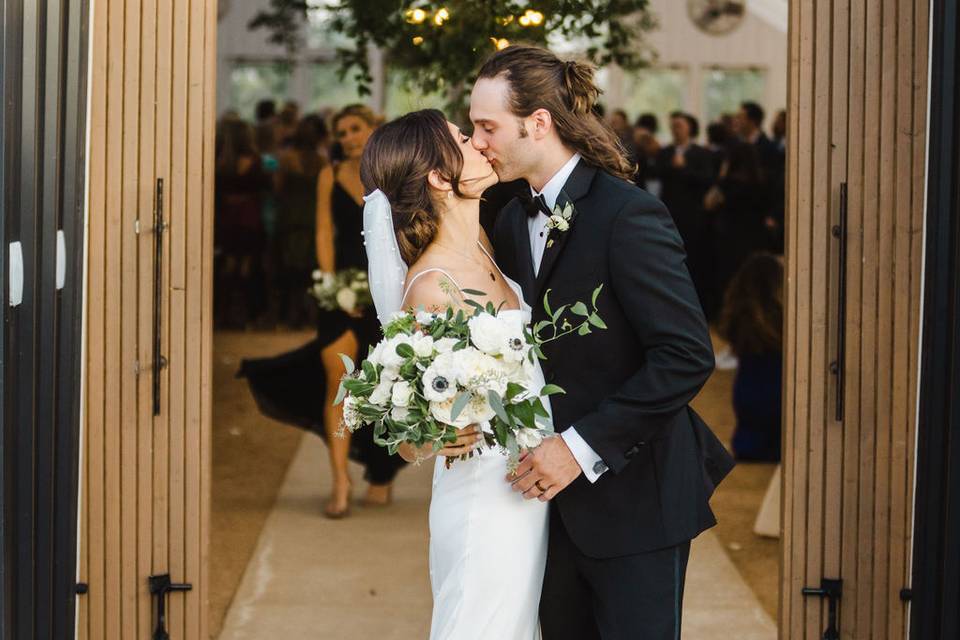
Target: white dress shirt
<point>591,463</point>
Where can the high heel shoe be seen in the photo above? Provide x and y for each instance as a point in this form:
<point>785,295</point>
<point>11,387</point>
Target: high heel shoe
<point>337,514</point>
<point>367,502</point>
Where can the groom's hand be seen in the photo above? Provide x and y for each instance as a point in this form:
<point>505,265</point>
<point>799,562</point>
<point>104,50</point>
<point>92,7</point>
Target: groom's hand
<point>551,464</point>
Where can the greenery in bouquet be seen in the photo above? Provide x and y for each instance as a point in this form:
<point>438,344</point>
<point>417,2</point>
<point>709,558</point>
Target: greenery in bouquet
<point>435,373</point>
<point>347,290</point>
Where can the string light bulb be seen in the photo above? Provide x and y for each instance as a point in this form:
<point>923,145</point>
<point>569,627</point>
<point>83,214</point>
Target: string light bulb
<point>441,16</point>
<point>500,43</point>
<point>417,41</point>
<point>531,19</point>
<point>416,16</point>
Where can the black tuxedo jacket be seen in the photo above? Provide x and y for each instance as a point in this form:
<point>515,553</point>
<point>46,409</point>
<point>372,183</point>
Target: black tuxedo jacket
<point>627,387</point>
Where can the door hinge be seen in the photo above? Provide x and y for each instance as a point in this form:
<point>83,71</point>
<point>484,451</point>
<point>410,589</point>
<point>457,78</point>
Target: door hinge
<point>160,586</point>
<point>831,589</point>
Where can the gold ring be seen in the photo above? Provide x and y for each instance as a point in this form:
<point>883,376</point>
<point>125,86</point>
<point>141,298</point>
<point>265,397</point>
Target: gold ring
<point>540,486</point>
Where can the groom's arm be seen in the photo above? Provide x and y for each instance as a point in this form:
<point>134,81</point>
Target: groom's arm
<point>650,279</point>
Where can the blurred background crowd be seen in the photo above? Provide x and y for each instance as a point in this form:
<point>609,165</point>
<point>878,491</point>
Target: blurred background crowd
<point>723,183</point>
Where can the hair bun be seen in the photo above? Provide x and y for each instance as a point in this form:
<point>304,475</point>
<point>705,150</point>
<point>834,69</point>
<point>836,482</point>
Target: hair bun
<point>578,81</point>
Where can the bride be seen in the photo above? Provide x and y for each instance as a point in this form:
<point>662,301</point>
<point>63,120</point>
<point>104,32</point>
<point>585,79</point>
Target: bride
<point>422,231</point>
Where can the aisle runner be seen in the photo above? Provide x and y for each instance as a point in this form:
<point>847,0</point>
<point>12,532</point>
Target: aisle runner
<point>366,576</point>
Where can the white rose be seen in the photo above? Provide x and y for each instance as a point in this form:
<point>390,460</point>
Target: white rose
<point>402,394</point>
<point>488,333</point>
<point>425,317</point>
<point>441,412</point>
<point>382,392</point>
<point>390,358</point>
<point>440,378</point>
<point>445,345</point>
<point>399,414</point>
<point>351,416</point>
<point>376,355</point>
<point>529,438</point>
<point>347,299</point>
<point>422,345</point>
<point>480,372</point>
<point>479,409</point>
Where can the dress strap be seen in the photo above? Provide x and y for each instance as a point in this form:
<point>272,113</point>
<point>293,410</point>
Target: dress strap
<point>414,279</point>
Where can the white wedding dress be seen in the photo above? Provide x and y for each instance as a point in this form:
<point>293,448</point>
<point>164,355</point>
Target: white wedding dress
<point>488,545</point>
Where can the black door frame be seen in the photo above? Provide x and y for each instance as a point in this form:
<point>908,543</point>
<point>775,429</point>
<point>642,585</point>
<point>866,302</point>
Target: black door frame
<point>935,591</point>
<point>43,193</point>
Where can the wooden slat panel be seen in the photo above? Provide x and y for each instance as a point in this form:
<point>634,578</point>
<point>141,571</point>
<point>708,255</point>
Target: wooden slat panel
<point>850,532</point>
<point>92,564</point>
<point>147,180</point>
<point>787,603</point>
<point>146,508</point>
<point>193,223</point>
<point>133,586</point>
<point>114,365</point>
<point>857,116</point>
<point>177,320</point>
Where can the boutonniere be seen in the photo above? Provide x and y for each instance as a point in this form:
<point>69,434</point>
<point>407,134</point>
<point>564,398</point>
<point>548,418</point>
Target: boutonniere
<point>560,220</point>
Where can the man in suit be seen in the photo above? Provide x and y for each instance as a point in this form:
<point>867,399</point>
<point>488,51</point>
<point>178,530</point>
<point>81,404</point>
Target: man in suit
<point>631,473</point>
<point>749,126</point>
<point>686,172</point>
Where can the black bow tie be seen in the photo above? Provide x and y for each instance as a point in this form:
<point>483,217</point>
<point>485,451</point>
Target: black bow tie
<point>535,206</point>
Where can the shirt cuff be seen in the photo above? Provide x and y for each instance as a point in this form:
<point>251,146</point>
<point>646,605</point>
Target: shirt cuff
<point>592,465</point>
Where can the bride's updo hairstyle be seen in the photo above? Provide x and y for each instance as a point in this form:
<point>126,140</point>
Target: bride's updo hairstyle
<point>397,160</point>
<point>540,80</point>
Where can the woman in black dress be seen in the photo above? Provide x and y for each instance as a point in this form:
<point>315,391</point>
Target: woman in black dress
<point>340,246</point>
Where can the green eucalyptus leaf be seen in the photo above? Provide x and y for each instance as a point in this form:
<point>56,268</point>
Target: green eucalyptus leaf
<point>546,303</point>
<point>579,309</point>
<point>596,294</point>
<point>584,329</point>
<point>341,394</point>
<point>597,321</point>
<point>473,292</point>
<point>405,350</point>
<point>347,363</point>
<point>497,404</point>
<point>550,390</point>
<point>459,404</point>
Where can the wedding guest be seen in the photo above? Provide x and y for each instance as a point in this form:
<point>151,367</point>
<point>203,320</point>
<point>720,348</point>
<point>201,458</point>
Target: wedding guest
<point>295,185</point>
<point>266,144</point>
<point>685,170</point>
<point>752,323</point>
<point>286,123</point>
<point>339,245</point>
<point>620,123</point>
<point>718,137</point>
<point>239,234</point>
<point>737,205</point>
<point>749,126</point>
<point>647,147</point>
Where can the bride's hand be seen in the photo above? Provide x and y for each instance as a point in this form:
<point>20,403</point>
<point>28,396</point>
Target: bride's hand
<point>468,439</point>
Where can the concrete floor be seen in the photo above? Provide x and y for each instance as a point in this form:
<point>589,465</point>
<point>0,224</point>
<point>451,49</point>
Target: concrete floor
<point>304,576</point>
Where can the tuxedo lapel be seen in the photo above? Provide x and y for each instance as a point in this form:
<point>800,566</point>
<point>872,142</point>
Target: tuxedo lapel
<point>576,187</point>
<point>523,255</point>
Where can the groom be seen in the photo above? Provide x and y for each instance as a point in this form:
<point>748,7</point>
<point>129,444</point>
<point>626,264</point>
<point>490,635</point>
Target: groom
<point>631,475</point>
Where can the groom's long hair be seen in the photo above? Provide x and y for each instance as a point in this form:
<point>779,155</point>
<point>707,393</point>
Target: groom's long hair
<point>540,80</point>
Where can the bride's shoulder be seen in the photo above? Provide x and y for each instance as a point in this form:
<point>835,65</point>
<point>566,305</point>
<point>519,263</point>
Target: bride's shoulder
<point>430,287</point>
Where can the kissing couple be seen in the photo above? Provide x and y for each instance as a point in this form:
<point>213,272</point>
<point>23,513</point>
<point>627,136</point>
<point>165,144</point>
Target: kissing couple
<point>589,537</point>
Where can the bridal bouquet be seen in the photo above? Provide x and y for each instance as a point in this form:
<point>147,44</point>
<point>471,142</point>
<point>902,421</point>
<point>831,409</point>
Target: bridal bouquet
<point>347,290</point>
<point>435,373</point>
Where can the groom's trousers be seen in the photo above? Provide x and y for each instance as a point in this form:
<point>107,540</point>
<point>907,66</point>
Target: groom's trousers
<point>637,597</point>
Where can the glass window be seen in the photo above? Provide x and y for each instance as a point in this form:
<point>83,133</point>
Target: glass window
<point>725,89</point>
<point>327,91</point>
<point>251,82</point>
<point>319,34</point>
<point>657,91</point>
<point>403,97</point>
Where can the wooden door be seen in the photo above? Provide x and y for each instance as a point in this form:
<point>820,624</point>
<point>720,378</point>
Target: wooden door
<point>145,474</point>
<point>857,122</point>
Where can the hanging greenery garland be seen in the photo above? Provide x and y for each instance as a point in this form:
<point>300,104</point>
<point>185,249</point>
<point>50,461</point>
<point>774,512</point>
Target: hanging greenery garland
<point>440,45</point>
